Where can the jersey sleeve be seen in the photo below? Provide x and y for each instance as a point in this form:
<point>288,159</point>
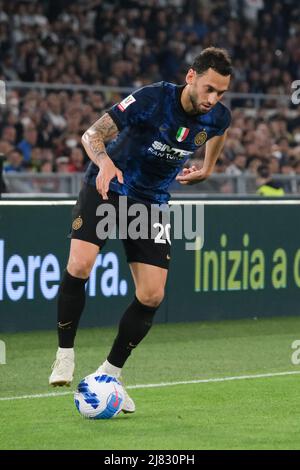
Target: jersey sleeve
<point>224,121</point>
<point>136,108</point>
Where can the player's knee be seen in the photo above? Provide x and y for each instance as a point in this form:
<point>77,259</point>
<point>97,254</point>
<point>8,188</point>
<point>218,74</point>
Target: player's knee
<point>79,268</point>
<point>151,297</point>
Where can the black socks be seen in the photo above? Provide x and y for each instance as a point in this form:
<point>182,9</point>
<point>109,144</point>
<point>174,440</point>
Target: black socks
<point>71,300</point>
<point>133,327</point>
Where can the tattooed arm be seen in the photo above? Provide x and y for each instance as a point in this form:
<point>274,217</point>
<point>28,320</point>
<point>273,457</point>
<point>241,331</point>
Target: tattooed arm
<point>93,141</point>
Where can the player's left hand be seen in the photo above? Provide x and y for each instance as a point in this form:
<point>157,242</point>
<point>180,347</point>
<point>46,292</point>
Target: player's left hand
<point>192,175</point>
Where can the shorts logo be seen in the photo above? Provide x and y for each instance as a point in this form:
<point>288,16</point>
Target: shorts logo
<point>77,223</point>
<point>200,138</point>
<point>127,102</point>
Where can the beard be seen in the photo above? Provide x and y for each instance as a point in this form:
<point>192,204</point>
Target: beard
<point>196,106</point>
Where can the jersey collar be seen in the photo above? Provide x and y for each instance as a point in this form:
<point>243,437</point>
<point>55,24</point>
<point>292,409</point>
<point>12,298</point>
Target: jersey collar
<point>179,90</point>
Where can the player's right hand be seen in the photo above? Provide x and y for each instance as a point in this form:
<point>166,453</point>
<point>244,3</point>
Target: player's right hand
<point>192,175</point>
<point>107,171</point>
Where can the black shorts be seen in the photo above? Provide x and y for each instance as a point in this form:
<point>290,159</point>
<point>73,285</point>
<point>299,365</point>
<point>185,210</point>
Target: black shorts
<point>151,247</point>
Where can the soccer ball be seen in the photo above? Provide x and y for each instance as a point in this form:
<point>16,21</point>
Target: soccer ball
<point>99,396</point>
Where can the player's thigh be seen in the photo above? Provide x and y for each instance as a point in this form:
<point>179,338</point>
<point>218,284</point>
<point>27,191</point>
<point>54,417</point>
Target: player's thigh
<point>85,239</point>
<point>81,258</point>
<point>149,282</point>
<point>84,216</point>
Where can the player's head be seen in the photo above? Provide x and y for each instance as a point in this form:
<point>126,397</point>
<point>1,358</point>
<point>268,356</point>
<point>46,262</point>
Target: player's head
<point>208,79</point>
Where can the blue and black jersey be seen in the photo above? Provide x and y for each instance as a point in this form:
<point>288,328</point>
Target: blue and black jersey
<point>156,138</point>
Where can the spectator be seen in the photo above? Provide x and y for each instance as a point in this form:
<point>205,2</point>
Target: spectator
<point>14,161</point>
<point>274,165</point>
<point>286,168</point>
<point>62,164</point>
<point>9,135</point>
<point>46,167</point>
<point>238,165</point>
<point>28,143</point>
<point>253,164</point>
<point>265,185</point>
<point>2,184</point>
<point>76,160</point>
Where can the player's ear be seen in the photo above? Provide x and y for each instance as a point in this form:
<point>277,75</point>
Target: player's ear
<point>190,76</point>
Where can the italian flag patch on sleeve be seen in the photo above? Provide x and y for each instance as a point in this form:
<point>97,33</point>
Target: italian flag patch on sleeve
<point>182,133</point>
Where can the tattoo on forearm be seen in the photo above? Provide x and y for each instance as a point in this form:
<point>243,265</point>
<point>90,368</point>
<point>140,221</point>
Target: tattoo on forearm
<point>101,131</point>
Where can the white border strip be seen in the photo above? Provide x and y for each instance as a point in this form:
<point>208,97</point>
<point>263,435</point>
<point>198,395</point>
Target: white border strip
<point>248,202</point>
<point>183,202</point>
<point>164,384</point>
<point>37,203</point>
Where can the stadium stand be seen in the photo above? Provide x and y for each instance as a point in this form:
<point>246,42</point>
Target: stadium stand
<point>133,43</point>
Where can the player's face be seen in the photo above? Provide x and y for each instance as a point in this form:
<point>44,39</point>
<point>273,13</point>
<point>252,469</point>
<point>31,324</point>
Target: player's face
<point>206,90</point>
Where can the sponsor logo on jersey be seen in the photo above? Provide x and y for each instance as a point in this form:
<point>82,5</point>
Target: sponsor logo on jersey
<point>200,138</point>
<point>182,134</point>
<point>168,153</point>
<point>126,102</point>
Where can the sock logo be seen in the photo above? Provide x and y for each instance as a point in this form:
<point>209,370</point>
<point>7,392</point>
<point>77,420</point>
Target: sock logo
<point>64,325</point>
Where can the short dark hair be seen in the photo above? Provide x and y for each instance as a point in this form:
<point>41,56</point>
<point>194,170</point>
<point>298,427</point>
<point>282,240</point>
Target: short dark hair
<point>263,171</point>
<point>214,58</point>
<point>15,150</point>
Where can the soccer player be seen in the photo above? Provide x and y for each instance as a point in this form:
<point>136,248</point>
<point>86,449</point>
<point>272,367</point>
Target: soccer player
<point>149,136</point>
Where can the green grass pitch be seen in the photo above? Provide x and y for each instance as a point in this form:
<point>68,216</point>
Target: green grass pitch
<point>257,413</point>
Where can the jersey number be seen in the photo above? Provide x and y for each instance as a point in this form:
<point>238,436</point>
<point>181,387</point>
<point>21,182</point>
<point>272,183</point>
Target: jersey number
<point>162,229</point>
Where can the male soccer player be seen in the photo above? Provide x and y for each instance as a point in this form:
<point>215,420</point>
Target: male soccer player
<point>152,133</point>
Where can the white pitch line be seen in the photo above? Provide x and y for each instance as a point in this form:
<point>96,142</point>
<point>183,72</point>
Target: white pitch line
<point>163,384</point>
<point>40,395</point>
<point>218,379</point>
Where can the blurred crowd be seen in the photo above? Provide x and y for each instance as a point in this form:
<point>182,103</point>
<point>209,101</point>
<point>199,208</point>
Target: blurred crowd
<point>133,43</point>
<point>130,43</point>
